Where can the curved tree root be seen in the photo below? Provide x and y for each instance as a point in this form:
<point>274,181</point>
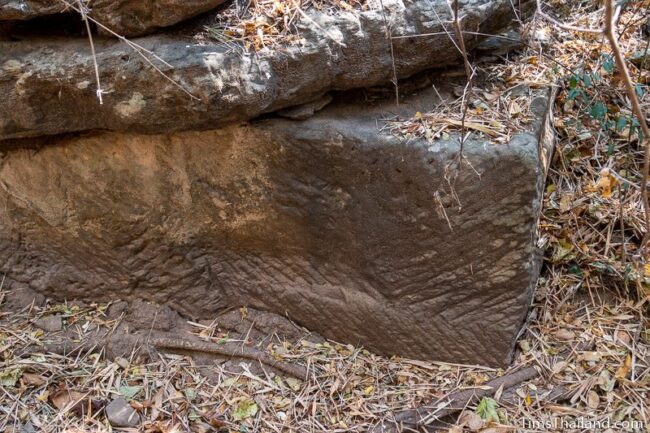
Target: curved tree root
<point>234,352</point>
<point>66,348</point>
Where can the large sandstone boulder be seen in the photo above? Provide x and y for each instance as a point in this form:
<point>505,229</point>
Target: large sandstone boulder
<point>48,83</point>
<point>352,232</point>
<point>357,234</point>
<point>125,17</point>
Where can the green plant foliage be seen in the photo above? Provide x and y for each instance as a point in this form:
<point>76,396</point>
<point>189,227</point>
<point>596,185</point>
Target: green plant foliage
<point>487,409</point>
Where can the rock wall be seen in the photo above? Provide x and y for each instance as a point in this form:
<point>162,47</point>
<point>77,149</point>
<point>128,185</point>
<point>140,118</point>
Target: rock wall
<point>48,83</point>
<point>326,220</point>
<point>355,233</point>
<point>124,17</point>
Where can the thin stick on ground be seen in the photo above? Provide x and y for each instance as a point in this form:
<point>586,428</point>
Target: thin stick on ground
<point>636,109</point>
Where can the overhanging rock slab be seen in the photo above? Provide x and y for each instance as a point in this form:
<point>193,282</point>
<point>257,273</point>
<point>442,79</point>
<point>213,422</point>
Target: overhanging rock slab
<point>327,220</point>
<point>48,84</point>
<point>125,17</point>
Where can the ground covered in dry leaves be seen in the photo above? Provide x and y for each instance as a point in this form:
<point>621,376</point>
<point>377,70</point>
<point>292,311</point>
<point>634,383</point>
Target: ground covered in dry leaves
<point>587,333</point>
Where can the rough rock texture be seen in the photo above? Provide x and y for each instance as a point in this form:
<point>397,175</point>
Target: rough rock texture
<point>121,414</point>
<point>47,83</point>
<point>52,323</point>
<point>326,220</point>
<point>125,17</point>
<point>27,9</point>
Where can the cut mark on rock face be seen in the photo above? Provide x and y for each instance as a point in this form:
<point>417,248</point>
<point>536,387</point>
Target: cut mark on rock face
<point>131,107</point>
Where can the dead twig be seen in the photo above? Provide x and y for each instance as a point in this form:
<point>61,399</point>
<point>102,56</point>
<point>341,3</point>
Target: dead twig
<point>140,50</point>
<point>84,18</point>
<point>636,109</point>
<point>469,71</point>
<point>389,36</point>
<point>561,25</point>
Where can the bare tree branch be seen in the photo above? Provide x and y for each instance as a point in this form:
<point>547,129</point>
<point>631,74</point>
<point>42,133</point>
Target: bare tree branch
<point>469,71</point>
<point>636,108</point>
<point>561,25</point>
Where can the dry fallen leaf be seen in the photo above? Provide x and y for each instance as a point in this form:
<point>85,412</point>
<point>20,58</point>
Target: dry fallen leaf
<point>606,183</point>
<point>63,398</point>
<point>622,337</point>
<point>76,402</point>
<point>32,379</point>
<point>477,126</point>
<point>593,400</point>
<point>472,420</point>
<point>528,400</point>
<point>559,366</point>
<point>564,334</point>
<point>590,357</point>
<point>625,368</point>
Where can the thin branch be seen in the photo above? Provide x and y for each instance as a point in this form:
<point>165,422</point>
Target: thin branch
<point>84,17</point>
<point>461,41</point>
<point>469,71</point>
<point>561,25</point>
<point>636,109</point>
<point>392,50</point>
<point>139,49</point>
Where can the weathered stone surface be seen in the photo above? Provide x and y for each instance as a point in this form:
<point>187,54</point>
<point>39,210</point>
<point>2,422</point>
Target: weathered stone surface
<point>27,9</point>
<point>327,220</point>
<point>120,414</point>
<point>53,323</point>
<point>125,17</point>
<point>48,84</point>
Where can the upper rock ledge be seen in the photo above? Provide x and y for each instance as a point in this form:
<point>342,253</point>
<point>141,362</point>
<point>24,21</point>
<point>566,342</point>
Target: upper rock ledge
<point>125,17</point>
<point>49,86</point>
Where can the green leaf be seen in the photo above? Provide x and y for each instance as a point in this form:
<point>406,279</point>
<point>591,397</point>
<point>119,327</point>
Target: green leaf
<point>598,111</point>
<point>573,94</point>
<point>10,376</point>
<point>487,409</point>
<point>608,63</point>
<point>610,148</point>
<point>575,270</point>
<point>190,394</point>
<point>129,391</point>
<point>245,409</point>
<point>639,90</point>
<point>621,123</point>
